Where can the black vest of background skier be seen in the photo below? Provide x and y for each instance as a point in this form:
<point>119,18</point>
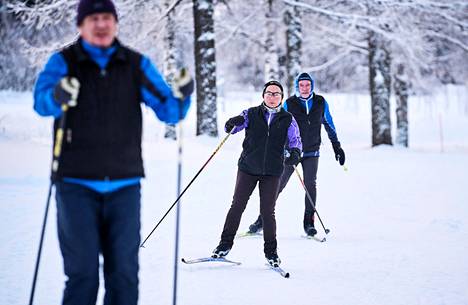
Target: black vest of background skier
<point>311,111</point>
<point>98,180</point>
<point>269,129</point>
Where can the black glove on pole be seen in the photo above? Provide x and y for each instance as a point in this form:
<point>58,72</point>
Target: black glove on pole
<point>233,122</point>
<point>65,93</point>
<point>294,157</point>
<point>183,84</point>
<point>310,199</point>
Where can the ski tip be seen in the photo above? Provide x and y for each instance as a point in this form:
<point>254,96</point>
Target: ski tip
<point>247,234</point>
<point>183,260</point>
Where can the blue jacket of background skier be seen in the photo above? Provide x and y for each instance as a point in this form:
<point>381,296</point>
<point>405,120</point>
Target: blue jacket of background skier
<point>153,91</point>
<point>310,113</point>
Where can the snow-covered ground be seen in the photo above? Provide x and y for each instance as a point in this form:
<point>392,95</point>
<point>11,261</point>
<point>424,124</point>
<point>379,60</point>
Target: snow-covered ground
<point>398,217</point>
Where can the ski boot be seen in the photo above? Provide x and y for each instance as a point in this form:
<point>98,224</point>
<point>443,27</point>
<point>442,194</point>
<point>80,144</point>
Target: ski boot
<point>272,258</point>
<point>309,228</point>
<point>256,227</point>
<point>221,250</point>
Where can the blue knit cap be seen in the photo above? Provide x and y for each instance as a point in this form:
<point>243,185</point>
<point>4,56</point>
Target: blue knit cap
<point>89,7</point>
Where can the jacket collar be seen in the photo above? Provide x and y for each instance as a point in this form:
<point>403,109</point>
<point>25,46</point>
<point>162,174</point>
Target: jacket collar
<point>82,55</point>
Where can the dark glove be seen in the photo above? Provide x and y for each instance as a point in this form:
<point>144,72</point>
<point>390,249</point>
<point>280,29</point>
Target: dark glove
<point>294,157</point>
<point>339,153</point>
<point>233,122</point>
<point>66,91</point>
<point>183,84</point>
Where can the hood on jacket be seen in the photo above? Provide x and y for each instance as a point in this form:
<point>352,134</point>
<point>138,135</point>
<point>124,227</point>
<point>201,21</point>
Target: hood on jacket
<point>303,76</point>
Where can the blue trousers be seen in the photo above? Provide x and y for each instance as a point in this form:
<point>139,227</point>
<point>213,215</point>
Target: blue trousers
<point>90,224</point>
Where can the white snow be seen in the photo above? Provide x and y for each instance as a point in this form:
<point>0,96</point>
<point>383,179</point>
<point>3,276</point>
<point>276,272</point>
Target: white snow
<point>398,217</point>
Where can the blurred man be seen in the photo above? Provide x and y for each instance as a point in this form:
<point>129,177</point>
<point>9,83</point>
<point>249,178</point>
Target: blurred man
<point>98,178</point>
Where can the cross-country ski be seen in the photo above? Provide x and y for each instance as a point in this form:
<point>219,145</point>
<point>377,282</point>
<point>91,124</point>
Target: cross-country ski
<point>209,259</point>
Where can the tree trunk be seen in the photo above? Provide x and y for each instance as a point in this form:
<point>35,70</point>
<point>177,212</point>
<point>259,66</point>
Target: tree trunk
<point>401,87</point>
<point>3,40</point>
<point>271,52</point>
<point>292,19</point>
<point>205,67</point>
<point>380,85</point>
<point>170,62</point>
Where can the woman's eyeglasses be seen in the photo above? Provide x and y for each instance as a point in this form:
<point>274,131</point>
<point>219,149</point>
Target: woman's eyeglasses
<point>272,94</point>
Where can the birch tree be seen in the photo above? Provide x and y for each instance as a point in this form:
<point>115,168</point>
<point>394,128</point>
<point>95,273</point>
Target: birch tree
<point>292,19</point>
<point>170,61</point>
<point>271,48</point>
<point>379,84</point>
<point>401,88</point>
<point>205,67</point>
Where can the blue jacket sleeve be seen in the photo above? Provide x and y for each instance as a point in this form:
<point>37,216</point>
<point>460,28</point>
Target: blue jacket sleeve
<point>54,70</point>
<point>159,97</point>
<point>327,122</point>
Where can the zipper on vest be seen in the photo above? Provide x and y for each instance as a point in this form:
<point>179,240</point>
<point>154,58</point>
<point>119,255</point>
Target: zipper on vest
<point>69,135</point>
<point>307,111</point>
<point>266,145</point>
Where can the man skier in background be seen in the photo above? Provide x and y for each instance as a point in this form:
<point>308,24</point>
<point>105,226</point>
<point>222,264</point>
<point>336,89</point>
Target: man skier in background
<point>268,127</point>
<point>310,111</point>
<point>98,178</point>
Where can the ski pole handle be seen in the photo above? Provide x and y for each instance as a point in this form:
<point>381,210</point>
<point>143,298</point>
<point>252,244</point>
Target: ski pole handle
<point>59,141</point>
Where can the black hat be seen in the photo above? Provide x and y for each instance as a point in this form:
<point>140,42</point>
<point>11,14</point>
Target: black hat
<point>304,76</point>
<point>272,83</point>
<point>89,7</point>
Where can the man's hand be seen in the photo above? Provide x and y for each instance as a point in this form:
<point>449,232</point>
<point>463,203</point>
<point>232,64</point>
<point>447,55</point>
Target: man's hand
<point>66,91</point>
<point>339,153</point>
<point>183,84</point>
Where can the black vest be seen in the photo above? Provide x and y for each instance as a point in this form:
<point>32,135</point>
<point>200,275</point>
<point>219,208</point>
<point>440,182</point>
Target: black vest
<point>263,147</point>
<point>309,125</point>
<point>102,138</point>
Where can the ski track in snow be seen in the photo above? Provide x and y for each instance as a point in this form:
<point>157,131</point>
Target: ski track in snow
<point>398,217</point>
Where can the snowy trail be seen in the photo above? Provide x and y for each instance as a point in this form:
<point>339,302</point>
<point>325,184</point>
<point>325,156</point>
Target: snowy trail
<point>398,220</point>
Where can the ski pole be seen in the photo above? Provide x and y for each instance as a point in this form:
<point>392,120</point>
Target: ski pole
<point>310,199</point>
<point>55,164</point>
<point>185,189</point>
<point>176,250</point>
<point>179,184</point>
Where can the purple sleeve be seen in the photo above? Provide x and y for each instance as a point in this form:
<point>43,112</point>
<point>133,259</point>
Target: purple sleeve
<point>245,125</point>
<point>294,137</point>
